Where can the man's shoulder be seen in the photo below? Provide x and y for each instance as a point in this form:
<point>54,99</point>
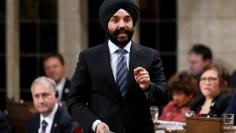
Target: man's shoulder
<point>143,47</point>
<point>95,48</point>
<point>63,115</point>
<point>34,117</point>
<point>33,120</point>
<point>65,121</point>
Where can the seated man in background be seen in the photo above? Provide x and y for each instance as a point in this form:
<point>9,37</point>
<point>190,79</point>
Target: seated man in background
<point>50,118</point>
<point>199,57</point>
<point>182,86</point>
<point>54,68</point>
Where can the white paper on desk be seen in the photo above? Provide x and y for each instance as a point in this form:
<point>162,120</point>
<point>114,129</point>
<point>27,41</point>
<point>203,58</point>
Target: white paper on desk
<point>160,131</point>
<point>170,125</point>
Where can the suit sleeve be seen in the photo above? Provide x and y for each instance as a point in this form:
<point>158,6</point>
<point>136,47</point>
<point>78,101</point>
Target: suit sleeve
<point>79,93</point>
<point>158,91</point>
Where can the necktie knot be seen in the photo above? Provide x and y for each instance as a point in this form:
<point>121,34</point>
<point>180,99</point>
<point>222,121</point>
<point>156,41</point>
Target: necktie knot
<point>121,51</point>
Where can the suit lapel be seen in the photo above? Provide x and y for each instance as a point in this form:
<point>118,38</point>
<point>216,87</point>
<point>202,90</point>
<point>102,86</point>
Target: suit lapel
<point>106,63</point>
<point>65,90</point>
<point>55,123</point>
<point>134,62</point>
<point>135,53</point>
<point>36,126</point>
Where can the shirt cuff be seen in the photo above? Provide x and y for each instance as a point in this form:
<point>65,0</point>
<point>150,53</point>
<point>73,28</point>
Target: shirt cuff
<point>95,123</point>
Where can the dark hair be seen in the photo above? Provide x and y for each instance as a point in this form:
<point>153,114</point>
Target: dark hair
<point>54,55</point>
<point>222,73</point>
<point>202,50</point>
<point>183,82</point>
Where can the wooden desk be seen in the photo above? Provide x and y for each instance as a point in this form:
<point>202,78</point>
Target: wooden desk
<point>18,114</point>
<point>166,131</point>
<point>203,125</point>
<point>200,125</point>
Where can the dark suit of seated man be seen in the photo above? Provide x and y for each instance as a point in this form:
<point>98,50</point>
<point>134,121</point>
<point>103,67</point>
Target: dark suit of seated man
<point>50,118</point>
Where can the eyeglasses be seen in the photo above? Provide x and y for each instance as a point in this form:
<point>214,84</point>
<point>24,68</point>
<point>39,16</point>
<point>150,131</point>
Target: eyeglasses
<point>209,79</point>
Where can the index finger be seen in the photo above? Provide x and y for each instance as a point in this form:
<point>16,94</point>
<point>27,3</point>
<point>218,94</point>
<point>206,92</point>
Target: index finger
<point>138,69</point>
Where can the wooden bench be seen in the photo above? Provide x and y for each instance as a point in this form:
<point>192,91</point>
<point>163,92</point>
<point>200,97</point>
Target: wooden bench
<point>18,114</point>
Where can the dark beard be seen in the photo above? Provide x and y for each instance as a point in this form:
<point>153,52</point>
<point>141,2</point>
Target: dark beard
<point>113,36</point>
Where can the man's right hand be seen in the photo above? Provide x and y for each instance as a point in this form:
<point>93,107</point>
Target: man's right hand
<point>102,128</point>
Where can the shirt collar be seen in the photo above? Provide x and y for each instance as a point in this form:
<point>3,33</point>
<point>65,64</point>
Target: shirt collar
<point>61,83</point>
<point>112,47</point>
<point>50,117</point>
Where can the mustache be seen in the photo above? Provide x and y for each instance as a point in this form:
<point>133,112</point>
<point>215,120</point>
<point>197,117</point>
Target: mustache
<point>118,31</point>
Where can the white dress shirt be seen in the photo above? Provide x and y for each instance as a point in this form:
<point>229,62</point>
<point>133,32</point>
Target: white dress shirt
<point>114,56</point>
<point>48,119</point>
<point>114,60</point>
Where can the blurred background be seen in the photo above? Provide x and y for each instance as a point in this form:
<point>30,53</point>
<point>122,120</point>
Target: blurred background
<point>29,29</point>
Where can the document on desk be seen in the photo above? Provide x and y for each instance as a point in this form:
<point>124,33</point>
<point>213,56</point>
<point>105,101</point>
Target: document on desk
<point>170,125</point>
<point>160,131</point>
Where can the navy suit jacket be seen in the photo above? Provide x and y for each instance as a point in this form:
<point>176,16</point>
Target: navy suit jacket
<point>62,123</point>
<point>66,90</point>
<point>94,93</point>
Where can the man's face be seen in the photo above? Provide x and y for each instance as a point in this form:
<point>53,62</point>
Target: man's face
<point>54,69</point>
<point>120,28</point>
<point>44,98</point>
<point>196,63</point>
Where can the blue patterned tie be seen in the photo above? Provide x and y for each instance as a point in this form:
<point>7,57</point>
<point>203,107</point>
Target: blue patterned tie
<point>121,71</point>
<point>44,125</point>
